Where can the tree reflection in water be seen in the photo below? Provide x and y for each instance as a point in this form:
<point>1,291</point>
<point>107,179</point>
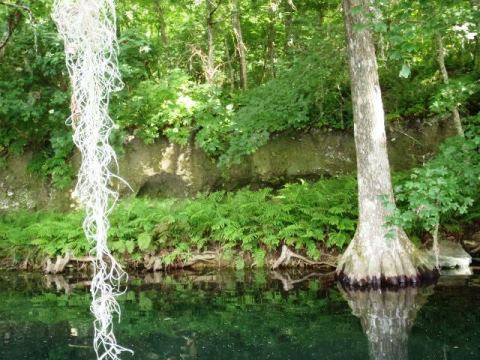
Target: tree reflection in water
<point>387,316</point>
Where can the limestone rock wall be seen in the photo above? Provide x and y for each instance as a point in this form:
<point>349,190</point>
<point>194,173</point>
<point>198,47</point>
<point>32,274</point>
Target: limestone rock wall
<point>164,169</point>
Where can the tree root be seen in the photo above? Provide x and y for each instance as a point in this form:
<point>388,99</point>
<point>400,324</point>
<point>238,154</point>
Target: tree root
<point>287,254</point>
<point>155,262</point>
<point>61,262</point>
<point>475,250</point>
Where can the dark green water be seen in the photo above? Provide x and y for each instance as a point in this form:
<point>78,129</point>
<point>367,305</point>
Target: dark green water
<point>247,315</point>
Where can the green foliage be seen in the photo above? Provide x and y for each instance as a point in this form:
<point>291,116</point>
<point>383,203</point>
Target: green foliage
<point>24,233</point>
<point>306,216</point>
<point>454,94</point>
<point>307,95</point>
<point>176,107</point>
<point>446,187</point>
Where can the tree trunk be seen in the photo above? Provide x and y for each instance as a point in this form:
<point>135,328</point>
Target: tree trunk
<point>210,68</point>
<point>377,255</point>
<point>271,35</point>
<point>441,63</point>
<point>476,55</point>
<point>241,49</point>
<point>288,25</point>
<point>229,60</point>
<point>162,27</point>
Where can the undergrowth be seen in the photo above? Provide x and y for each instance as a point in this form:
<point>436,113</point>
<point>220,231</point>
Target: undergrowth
<point>309,217</point>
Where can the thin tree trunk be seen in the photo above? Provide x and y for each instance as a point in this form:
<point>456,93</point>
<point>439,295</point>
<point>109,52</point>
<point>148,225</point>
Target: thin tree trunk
<point>441,63</point>
<point>476,58</point>
<point>13,20</point>
<point>229,65</point>
<point>288,25</point>
<point>210,69</point>
<point>241,49</point>
<point>376,254</point>
<point>271,36</point>
<point>162,27</point>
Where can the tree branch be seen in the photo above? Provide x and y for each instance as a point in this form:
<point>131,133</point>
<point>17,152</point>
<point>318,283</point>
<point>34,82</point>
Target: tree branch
<point>14,20</point>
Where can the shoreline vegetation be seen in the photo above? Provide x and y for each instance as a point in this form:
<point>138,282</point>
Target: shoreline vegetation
<point>302,225</point>
<point>230,95</point>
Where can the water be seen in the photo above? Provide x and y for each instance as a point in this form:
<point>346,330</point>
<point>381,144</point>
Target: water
<point>243,315</point>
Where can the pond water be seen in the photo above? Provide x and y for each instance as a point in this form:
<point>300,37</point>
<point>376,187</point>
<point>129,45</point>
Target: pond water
<point>243,315</point>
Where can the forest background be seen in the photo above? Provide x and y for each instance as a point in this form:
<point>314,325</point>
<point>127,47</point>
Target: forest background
<point>227,76</point>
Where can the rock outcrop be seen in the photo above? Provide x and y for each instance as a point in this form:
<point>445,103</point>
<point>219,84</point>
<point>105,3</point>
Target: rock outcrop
<point>164,169</point>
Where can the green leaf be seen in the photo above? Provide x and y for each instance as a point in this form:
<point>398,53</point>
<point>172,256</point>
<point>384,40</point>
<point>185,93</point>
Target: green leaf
<point>144,240</point>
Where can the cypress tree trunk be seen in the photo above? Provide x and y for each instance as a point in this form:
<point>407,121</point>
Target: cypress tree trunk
<point>376,255</point>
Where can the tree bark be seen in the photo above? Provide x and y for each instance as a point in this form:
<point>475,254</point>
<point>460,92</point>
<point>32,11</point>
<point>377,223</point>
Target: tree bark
<point>241,48</point>
<point>443,69</point>
<point>210,68</point>
<point>271,56</point>
<point>228,60</point>
<point>377,255</point>
<point>288,25</point>
<point>476,55</point>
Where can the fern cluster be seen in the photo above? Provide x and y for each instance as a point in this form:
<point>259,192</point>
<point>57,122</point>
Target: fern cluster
<point>306,216</point>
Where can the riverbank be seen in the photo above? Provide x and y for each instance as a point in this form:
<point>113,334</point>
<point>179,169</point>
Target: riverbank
<point>313,221</point>
<point>300,225</point>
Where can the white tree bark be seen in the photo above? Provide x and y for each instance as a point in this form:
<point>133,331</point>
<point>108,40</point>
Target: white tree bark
<point>241,48</point>
<point>377,254</point>
<point>210,68</point>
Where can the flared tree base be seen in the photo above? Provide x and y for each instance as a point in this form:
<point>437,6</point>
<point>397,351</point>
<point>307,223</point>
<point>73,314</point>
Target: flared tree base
<point>384,263</point>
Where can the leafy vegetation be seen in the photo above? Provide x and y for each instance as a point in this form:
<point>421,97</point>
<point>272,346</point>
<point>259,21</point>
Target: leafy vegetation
<point>445,190</point>
<point>307,217</point>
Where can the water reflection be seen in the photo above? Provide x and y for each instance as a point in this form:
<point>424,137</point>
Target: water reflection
<point>387,316</point>
<point>242,315</point>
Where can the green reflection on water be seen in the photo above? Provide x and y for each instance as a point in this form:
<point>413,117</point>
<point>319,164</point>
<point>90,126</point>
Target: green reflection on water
<point>236,315</point>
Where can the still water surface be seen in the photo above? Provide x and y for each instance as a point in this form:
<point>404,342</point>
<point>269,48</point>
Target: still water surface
<point>243,315</point>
